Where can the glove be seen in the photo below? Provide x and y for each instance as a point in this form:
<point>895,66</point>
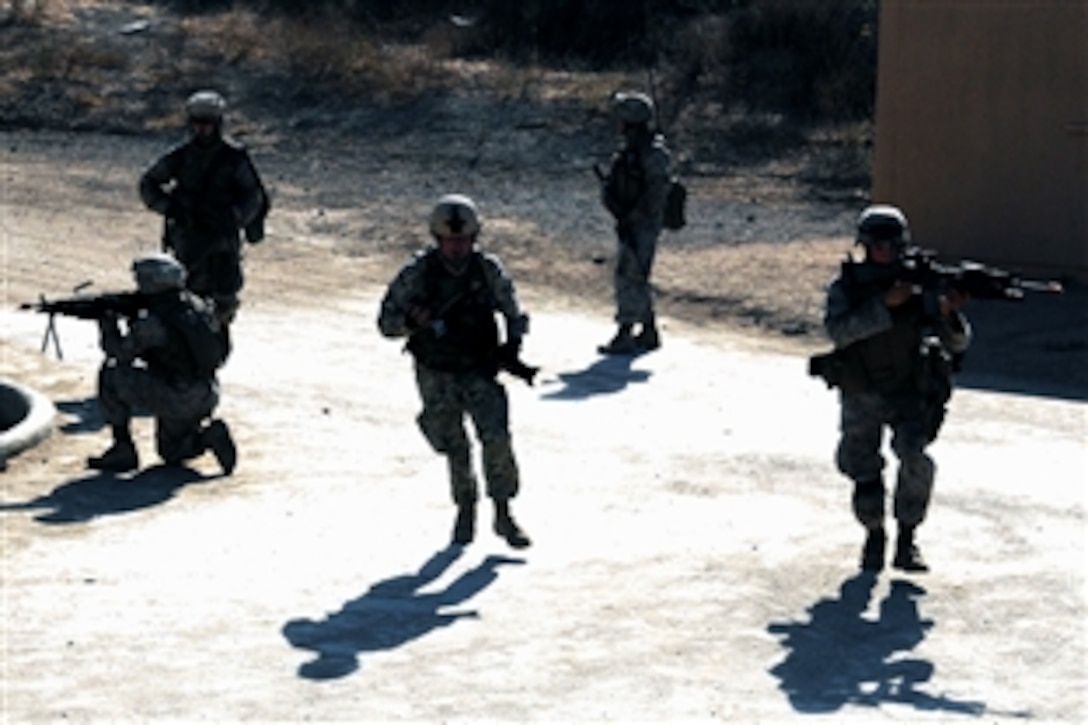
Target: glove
<point>510,350</point>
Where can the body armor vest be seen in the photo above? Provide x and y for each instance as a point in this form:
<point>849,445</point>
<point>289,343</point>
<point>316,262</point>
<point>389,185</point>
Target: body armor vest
<point>886,362</point>
<point>195,346</point>
<point>466,307</point>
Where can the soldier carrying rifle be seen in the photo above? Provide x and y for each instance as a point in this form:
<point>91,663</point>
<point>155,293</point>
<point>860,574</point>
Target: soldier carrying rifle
<point>445,300</point>
<point>163,346</point>
<point>894,344</point>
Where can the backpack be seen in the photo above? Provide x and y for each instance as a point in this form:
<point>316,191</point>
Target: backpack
<point>254,231</point>
<point>674,217</point>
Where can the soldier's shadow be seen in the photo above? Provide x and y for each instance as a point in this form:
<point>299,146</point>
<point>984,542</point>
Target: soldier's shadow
<point>389,614</point>
<point>105,494</point>
<point>84,416</point>
<point>840,658</point>
<point>608,374</point>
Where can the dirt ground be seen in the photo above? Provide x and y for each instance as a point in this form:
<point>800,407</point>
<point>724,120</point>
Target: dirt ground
<point>693,559</point>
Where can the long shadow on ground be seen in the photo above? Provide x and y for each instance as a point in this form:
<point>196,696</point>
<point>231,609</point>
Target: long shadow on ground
<point>391,613</point>
<point>839,657</point>
<point>104,494</point>
<point>607,375</point>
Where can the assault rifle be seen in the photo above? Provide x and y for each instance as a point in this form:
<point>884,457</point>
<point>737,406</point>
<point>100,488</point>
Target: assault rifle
<point>980,281</point>
<point>921,268</point>
<point>85,307</point>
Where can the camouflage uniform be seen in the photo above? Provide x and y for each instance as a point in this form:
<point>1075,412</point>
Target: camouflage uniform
<point>207,195</point>
<point>164,365</point>
<point>885,383</point>
<point>455,372</point>
<point>634,192</point>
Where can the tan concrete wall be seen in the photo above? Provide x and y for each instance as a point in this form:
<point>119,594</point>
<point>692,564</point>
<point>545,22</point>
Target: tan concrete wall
<point>982,128</point>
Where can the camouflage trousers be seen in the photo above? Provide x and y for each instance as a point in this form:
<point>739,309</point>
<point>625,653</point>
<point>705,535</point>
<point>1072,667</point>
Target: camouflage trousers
<point>631,279</point>
<point>179,409</point>
<point>447,399</point>
<point>864,417</point>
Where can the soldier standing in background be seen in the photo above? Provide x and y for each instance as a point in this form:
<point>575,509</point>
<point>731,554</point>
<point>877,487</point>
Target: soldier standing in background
<point>634,191</point>
<point>445,301</point>
<point>894,343</point>
<point>209,193</point>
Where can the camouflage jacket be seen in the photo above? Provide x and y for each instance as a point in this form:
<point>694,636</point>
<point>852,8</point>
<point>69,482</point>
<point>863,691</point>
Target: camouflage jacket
<point>177,336</point>
<point>466,336</point>
<point>637,183</point>
<point>881,345</point>
<point>206,194</point>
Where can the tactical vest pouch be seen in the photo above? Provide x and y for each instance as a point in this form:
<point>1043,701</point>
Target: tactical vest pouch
<point>838,369</point>
<point>934,383</point>
<point>254,231</point>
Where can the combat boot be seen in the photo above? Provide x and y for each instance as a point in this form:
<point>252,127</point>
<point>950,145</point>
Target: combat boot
<point>217,439</point>
<point>119,457</point>
<point>872,554</point>
<point>507,528</point>
<point>623,343</point>
<point>907,555</point>
<point>648,339</point>
<point>464,528</point>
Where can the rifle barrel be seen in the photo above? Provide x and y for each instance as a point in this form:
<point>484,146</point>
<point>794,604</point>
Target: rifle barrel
<point>1049,286</point>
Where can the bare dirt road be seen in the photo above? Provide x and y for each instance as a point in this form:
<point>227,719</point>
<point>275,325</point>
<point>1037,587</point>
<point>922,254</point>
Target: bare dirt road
<point>694,558</point>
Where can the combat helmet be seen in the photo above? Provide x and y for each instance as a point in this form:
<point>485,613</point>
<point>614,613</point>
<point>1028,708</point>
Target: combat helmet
<point>158,273</point>
<point>633,107</point>
<point>205,106</point>
<point>883,223</point>
<point>455,215</point>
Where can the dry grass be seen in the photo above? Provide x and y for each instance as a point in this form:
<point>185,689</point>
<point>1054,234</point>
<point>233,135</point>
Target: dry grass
<point>712,271</point>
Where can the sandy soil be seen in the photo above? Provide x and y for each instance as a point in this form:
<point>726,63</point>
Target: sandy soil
<point>694,558</point>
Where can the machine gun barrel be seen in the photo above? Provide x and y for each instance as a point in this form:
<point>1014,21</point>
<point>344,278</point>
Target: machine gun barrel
<point>85,307</point>
<point>91,307</point>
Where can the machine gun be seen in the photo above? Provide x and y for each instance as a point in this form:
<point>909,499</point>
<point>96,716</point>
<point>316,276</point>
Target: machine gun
<point>980,281</point>
<point>85,307</point>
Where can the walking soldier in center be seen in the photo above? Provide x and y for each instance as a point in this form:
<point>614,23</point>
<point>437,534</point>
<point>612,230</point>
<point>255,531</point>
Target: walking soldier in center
<point>445,302</point>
